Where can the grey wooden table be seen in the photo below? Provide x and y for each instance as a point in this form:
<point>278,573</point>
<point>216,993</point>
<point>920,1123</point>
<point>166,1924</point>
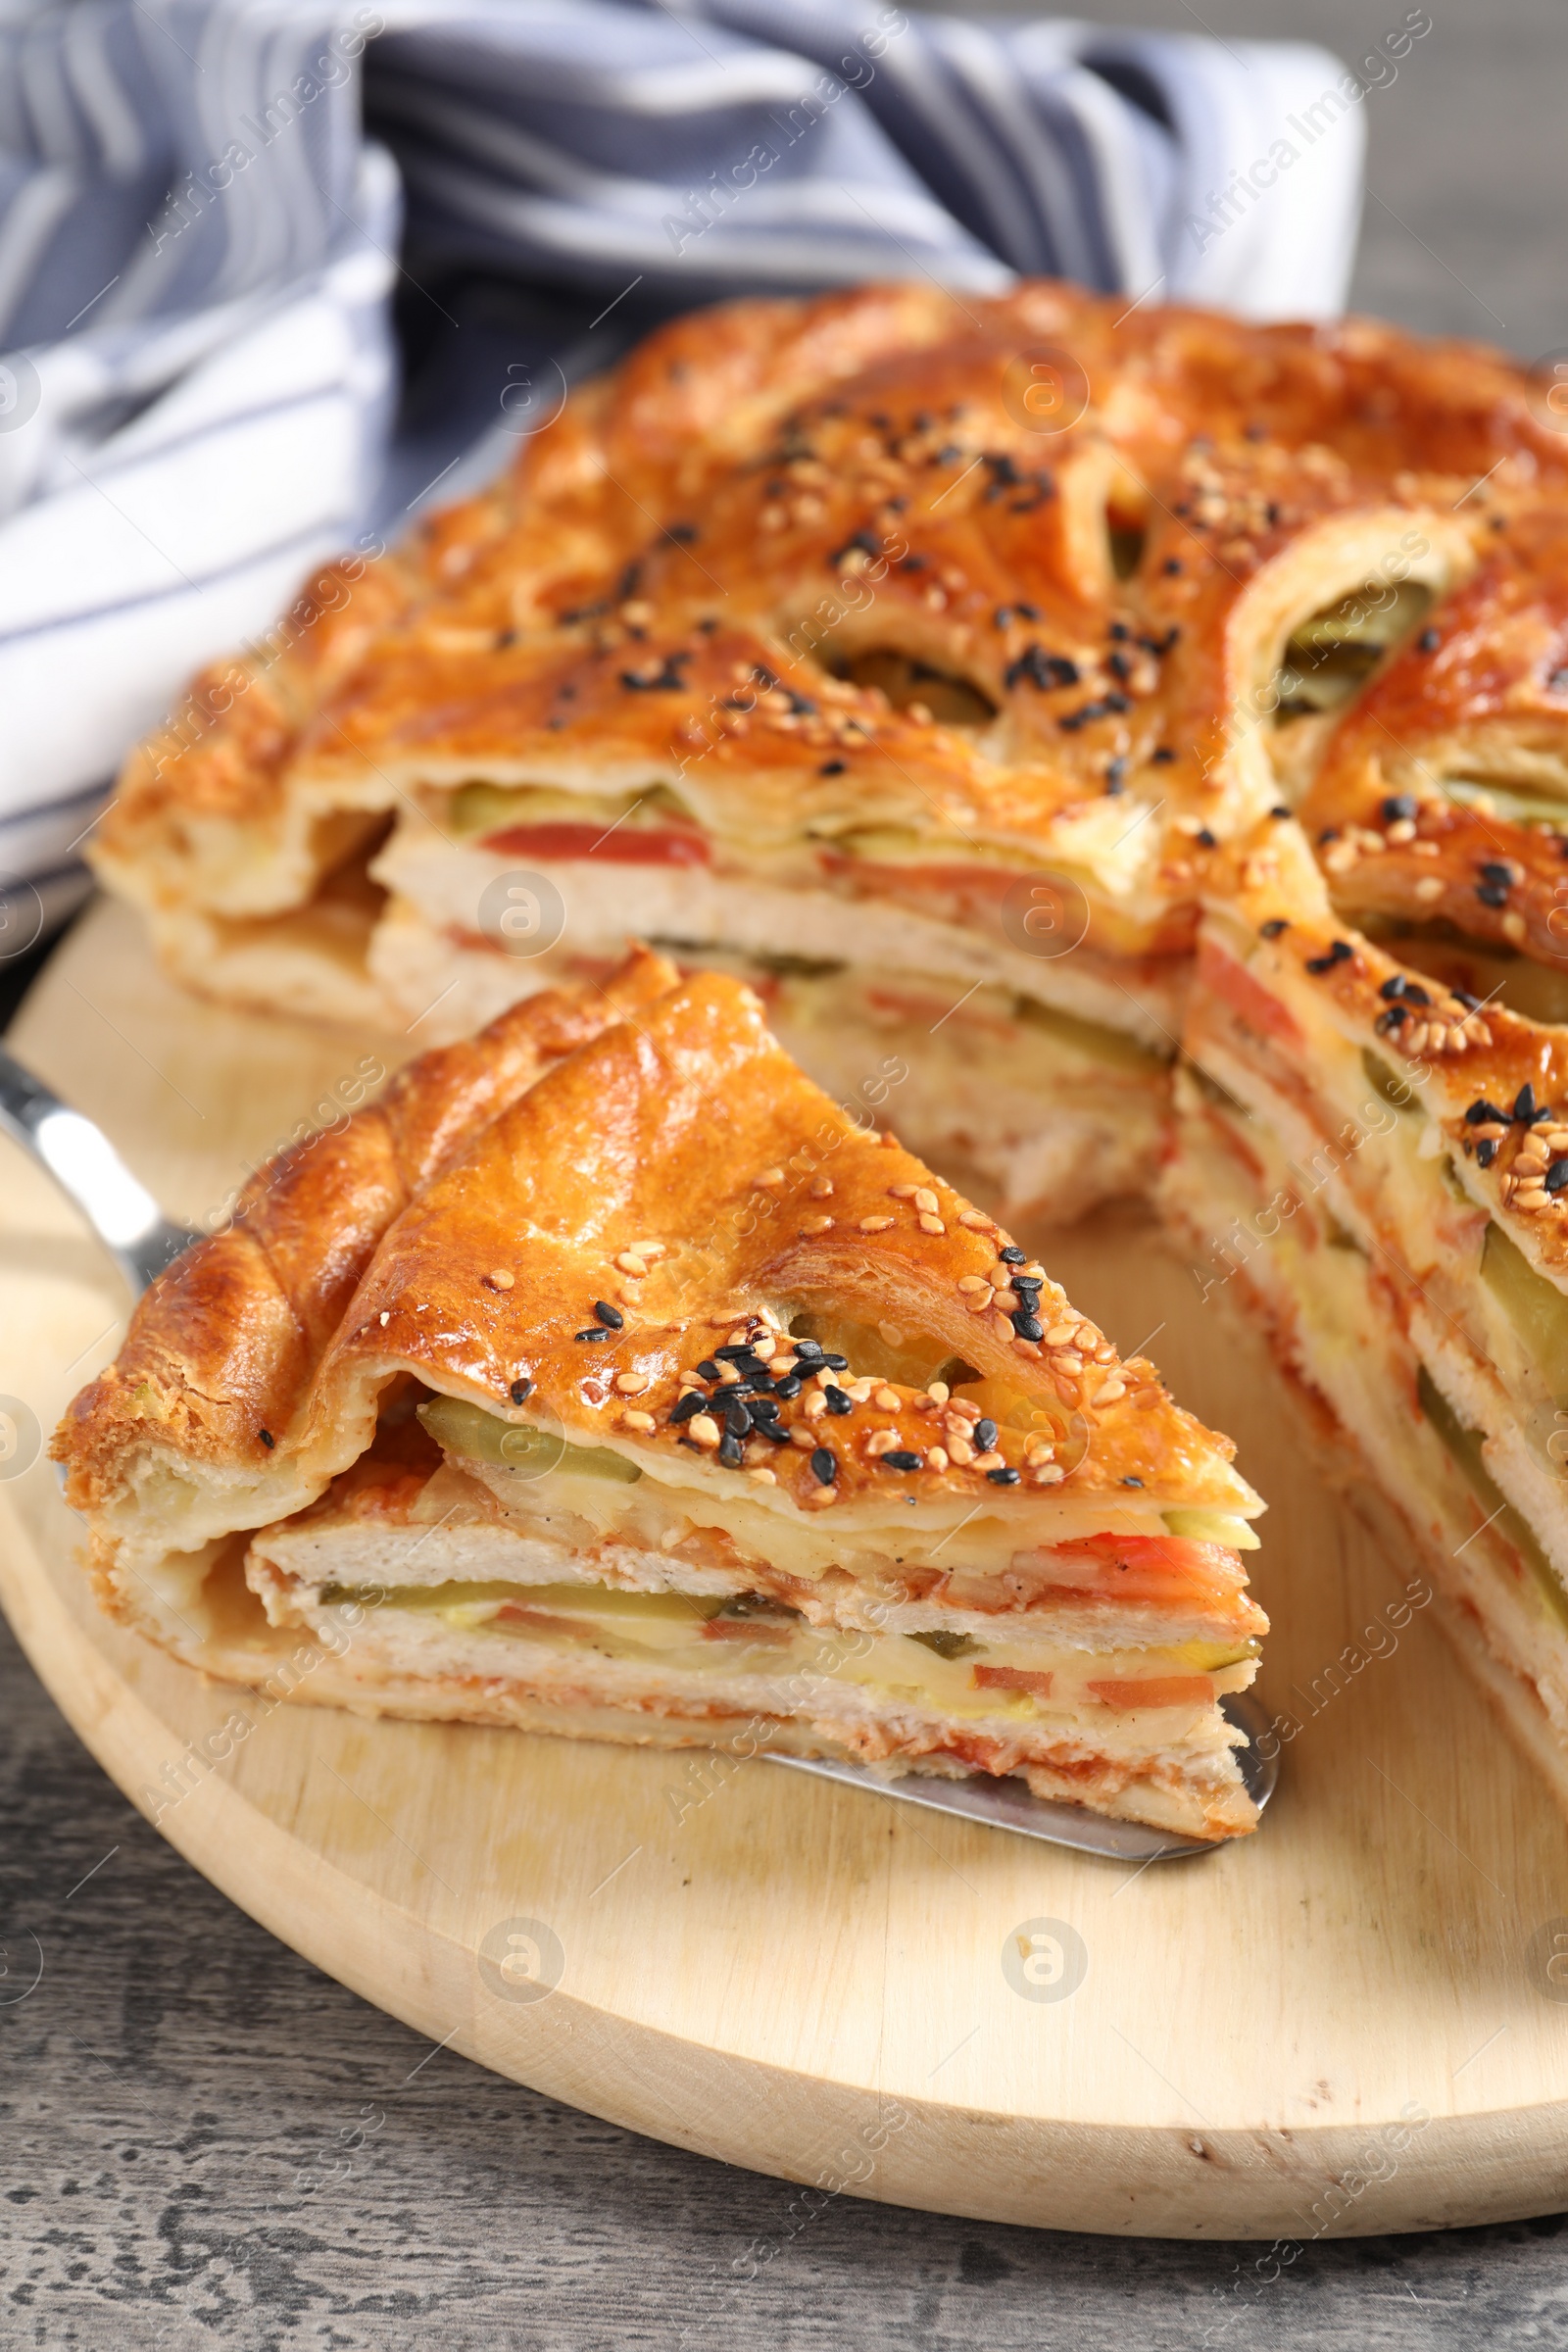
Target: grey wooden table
<point>171,2093</point>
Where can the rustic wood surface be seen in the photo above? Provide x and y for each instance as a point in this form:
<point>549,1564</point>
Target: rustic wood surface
<point>812,1981</point>
<point>173,2096</point>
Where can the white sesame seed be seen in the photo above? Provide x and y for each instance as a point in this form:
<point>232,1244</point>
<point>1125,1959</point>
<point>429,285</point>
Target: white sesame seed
<point>631,1384</point>
<point>761,1476</point>
<point>937,1392</point>
<point>961,1450</point>
<point>931,1224</point>
<point>768,1179</point>
<point>631,1263</point>
<point>1430,886</point>
<point>977,1220</point>
<point>887,1400</point>
<point>499,1279</point>
<point>904,1192</point>
<point>821,1188</point>
<point>880,1442</point>
<point>875,1224</point>
<point>702,1429</point>
<point>636,1420</point>
<point>809,1225</point>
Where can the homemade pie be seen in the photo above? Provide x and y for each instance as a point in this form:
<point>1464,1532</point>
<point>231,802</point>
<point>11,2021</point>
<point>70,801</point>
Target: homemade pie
<point>1016,692</point>
<point>607,1378</point>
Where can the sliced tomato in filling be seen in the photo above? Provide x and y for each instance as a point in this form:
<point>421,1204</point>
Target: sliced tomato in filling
<point>1158,1568</point>
<point>621,845</point>
<point>1154,1691</point>
<point>1012,1678</point>
<point>1247,998</point>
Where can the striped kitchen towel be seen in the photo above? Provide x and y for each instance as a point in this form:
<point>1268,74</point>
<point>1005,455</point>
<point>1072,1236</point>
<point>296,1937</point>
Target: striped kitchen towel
<point>207,205</point>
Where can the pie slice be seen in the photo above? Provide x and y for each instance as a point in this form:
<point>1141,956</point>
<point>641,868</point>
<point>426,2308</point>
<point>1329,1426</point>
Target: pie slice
<point>1377,1168</point>
<point>609,1379</point>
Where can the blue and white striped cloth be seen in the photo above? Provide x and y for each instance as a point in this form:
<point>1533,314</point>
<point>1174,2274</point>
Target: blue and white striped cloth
<point>201,208</point>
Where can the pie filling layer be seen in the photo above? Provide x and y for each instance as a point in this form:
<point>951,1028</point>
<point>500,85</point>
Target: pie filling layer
<point>1029,1637</point>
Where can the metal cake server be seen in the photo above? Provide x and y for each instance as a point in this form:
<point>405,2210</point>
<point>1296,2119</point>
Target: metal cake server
<point>84,1163</point>
<point>1008,1804</point>
<point>142,1242</point>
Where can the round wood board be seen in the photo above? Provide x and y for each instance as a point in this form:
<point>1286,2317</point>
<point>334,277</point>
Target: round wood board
<point>1345,2024</point>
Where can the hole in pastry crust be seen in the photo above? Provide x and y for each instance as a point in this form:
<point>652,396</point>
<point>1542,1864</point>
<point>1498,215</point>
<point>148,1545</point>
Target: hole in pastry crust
<point>915,686</point>
<point>1484,968</point>
<point>1333,652</point>
<point>884,1351</point>
<point>1126,541</point>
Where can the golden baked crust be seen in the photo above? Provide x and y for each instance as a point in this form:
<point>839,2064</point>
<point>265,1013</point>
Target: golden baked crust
<point>223,1350</point>
<point>467,1231</point>
<point>765,490</point>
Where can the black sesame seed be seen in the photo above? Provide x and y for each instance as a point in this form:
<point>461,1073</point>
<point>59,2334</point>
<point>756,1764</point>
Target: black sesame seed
<point>737,1415</point>
<point>836,1363</point>
<point>1205,839</point>
<point>1415,994</point>
<point>985,1436</point>
<point>1428,641</point>
<point>1132,1482</point>
<point>1012,1256</point>
<point>900,1461</point>
<point>1274,926</point>
<point>1170,566</point>
<point>1556,1176</point>
<point>1394,1018</point>
<point>608,1315</point>
<point>1002,618</point>
<point>729,1451</point>
<point>1043,670</point>
<point>1483,1113</point>
<point>1279,810</point>
<point>1487,1151</point>
<point>809,1348</point>
<point>1495,871</point>
<point>694,1401</point>
<point>788,1387</point>
<point>1524,1102</point>
<point>1002,1477</point>
<point>1393,987</point>
<point>1493,894</point>
<point>1462,996</point>
<point>736,1353</point>
<point>1027,1326</point>
<point>824,1466</point>
<point>1340,950</point>
<point>1399,807</point>
<point>599,1334</point>
<point>267,1438</point>
<point>1557,680</point>
<point>1120,631</point>
<point>764,1408</point>
<point>836,1401</point>
<point>832,768</point>
<point>1162,755</point>
<point>708,1368</point>
<point>520,1390</point>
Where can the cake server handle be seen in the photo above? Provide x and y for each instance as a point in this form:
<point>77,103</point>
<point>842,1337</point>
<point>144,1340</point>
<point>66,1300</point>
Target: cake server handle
<point>84,1163</point>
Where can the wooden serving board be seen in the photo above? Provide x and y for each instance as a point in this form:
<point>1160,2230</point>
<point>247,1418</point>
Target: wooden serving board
<point>1345,2024</point>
